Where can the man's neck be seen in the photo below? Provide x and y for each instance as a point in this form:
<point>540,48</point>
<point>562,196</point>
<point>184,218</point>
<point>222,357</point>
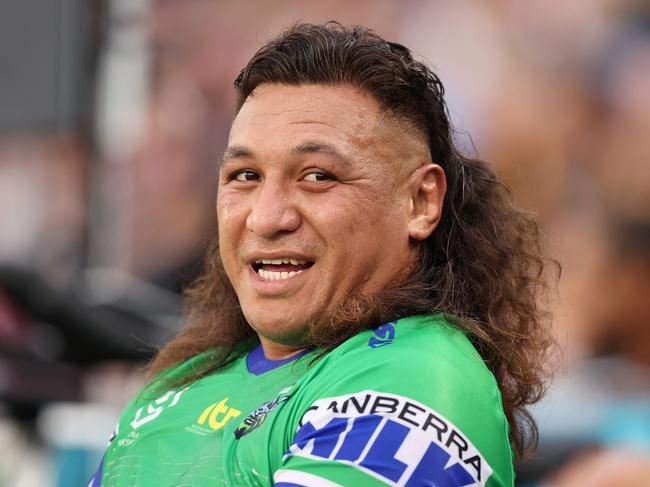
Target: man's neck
<point>279,351</point>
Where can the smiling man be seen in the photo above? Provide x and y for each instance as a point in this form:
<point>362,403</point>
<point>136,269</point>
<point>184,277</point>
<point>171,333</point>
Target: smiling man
<point>321,197</point>
<point>368,314</point>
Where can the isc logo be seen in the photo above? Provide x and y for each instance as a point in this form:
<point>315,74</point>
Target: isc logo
<point>218,414</point>
<point>392,438</point>
<point>385,335</point>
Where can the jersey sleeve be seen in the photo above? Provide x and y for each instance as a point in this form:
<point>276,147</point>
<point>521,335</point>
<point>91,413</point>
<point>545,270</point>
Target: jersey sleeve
<point>404,405</point>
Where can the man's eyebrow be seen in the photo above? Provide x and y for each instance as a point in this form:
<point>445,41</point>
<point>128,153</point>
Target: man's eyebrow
<point>238,152</point>
<point>306,147</point>
<point>316,146</point>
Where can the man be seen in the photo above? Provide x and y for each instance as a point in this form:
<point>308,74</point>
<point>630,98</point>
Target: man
<point>368,315</point>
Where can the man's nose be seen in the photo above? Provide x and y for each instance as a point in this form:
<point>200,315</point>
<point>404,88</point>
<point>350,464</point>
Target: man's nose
<point>272,212</point>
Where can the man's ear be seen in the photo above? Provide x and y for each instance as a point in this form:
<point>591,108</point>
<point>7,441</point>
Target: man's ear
<point>428,186</point>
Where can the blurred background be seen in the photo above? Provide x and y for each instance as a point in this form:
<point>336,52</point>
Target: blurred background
<point>113,116</point>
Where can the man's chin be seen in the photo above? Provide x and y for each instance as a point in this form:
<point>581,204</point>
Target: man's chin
<point>280,330</point>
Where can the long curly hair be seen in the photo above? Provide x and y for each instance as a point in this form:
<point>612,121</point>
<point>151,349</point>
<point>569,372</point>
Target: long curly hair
<point>483,266</point>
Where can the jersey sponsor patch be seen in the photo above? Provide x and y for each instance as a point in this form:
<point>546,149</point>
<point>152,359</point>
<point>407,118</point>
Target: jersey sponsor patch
<point>255,419</point>
<point>213,418</point>
<point>385,335</point>
<point>390,437</point>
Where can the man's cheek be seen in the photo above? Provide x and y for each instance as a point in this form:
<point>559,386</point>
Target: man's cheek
<point>230,261</point>
<point>224,212</point>
<point>344,222</point>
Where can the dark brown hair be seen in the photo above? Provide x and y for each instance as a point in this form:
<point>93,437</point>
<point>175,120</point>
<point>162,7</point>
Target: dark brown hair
<point>482,266</point>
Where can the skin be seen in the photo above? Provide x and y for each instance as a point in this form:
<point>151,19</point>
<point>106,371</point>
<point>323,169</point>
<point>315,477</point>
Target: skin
<point>322,174</point>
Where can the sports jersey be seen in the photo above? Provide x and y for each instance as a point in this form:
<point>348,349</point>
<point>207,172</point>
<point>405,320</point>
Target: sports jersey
<point>410,403</point>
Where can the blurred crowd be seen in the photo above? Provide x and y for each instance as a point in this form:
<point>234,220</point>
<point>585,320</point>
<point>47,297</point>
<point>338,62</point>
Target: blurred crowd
<point>104,213</point>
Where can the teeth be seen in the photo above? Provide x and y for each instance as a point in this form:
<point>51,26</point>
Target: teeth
<point>284,260</point>
<point>276,276</point>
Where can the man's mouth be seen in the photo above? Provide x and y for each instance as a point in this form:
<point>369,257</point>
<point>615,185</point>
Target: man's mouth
<point>279,269</point>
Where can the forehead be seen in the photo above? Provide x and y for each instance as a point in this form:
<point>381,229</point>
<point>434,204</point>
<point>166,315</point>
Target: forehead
<point>279,116</point>
<point>331,110</point>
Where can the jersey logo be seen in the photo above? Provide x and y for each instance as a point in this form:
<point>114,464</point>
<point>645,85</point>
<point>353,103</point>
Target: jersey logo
<point>392,438</point>
<point>213,418</point>
<point>152,411</point>
<point>218,415</point>
<point>257,417</point>
<point>385,335</point>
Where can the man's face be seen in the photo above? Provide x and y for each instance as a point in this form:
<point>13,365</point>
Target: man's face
<point>314,203</point>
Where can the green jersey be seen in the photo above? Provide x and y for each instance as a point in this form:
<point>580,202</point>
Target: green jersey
<point>410,403</point>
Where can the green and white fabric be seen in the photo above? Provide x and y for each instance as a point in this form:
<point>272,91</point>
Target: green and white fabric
<point>410,403</point>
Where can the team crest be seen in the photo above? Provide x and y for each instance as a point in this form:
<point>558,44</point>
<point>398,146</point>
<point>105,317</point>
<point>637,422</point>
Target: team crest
<point>257,417</point>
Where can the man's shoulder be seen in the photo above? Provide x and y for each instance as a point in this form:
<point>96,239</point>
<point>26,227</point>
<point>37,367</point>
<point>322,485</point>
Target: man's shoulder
<point>422,357</point>
<point>421,378</point>
<point>422,343</point>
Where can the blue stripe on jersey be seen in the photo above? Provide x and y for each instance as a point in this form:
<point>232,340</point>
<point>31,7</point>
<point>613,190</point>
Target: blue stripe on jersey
<point>96,481</point>
<point>257,363</point>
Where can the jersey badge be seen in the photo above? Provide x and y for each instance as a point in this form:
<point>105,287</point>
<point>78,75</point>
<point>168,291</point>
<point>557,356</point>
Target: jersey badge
<point>155,408</point>
<point>384,335</point>
<point>255,419</point>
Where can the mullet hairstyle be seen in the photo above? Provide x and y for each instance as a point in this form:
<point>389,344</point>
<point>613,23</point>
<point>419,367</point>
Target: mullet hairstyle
<point>482,266</point>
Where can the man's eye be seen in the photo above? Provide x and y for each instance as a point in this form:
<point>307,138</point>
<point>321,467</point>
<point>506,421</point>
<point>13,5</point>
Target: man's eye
<point>317,176</point>
<point>246,176</point>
